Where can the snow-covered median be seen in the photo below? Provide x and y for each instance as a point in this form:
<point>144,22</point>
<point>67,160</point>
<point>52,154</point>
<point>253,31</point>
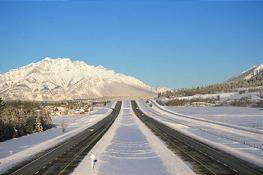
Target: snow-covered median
<point>19,149</point>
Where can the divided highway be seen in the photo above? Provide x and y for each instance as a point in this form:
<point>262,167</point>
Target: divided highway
<point>63,158</point>
<point>204,158</point>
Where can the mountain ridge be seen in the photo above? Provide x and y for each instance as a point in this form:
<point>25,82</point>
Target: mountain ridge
<point>253,71</point>
<point>63,79</point>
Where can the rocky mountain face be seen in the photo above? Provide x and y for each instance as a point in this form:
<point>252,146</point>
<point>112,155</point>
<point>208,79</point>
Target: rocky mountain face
<point>250,73</point>
<point>63,79</point>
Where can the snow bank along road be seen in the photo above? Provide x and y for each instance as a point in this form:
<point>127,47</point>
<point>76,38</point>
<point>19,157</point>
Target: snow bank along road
<point>64,157</point>
<point>245,143</point>
<point>19,149</point>
<point>201,154</point>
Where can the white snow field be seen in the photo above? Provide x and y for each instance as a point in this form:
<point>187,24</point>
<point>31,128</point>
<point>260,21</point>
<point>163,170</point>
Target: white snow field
<point>19,149</point>
<point>240,116</point>
<point>222,133</point>
<point>130,148</point>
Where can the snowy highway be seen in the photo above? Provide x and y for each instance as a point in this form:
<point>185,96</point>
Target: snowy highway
<point>65,156</point>
<point>17,150</point>
<point>129,148</point>
<point>240,143</point>
<point>137,138</point>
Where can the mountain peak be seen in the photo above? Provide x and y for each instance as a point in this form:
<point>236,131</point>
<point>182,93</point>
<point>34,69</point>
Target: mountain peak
<point>251,68</point>
<point>249,73</point>
<point>64,79</point>
<point>50,60</point>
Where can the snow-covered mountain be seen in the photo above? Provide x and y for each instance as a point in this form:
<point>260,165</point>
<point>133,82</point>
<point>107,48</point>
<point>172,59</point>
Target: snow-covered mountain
<point>63,79</point>
<point>251,72</point>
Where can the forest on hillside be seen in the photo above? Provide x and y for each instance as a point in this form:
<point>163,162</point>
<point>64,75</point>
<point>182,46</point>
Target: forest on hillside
<point>252,84</point>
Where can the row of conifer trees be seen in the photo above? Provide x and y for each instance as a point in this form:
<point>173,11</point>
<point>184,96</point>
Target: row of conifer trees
<point>22,118</point>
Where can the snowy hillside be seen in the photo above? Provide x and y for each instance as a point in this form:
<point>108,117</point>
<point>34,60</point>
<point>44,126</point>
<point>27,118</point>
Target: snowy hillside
<point>63,79</point>
<point>251,72</point>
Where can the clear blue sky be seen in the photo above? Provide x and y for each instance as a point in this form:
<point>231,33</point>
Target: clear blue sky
<point>162,42</point>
